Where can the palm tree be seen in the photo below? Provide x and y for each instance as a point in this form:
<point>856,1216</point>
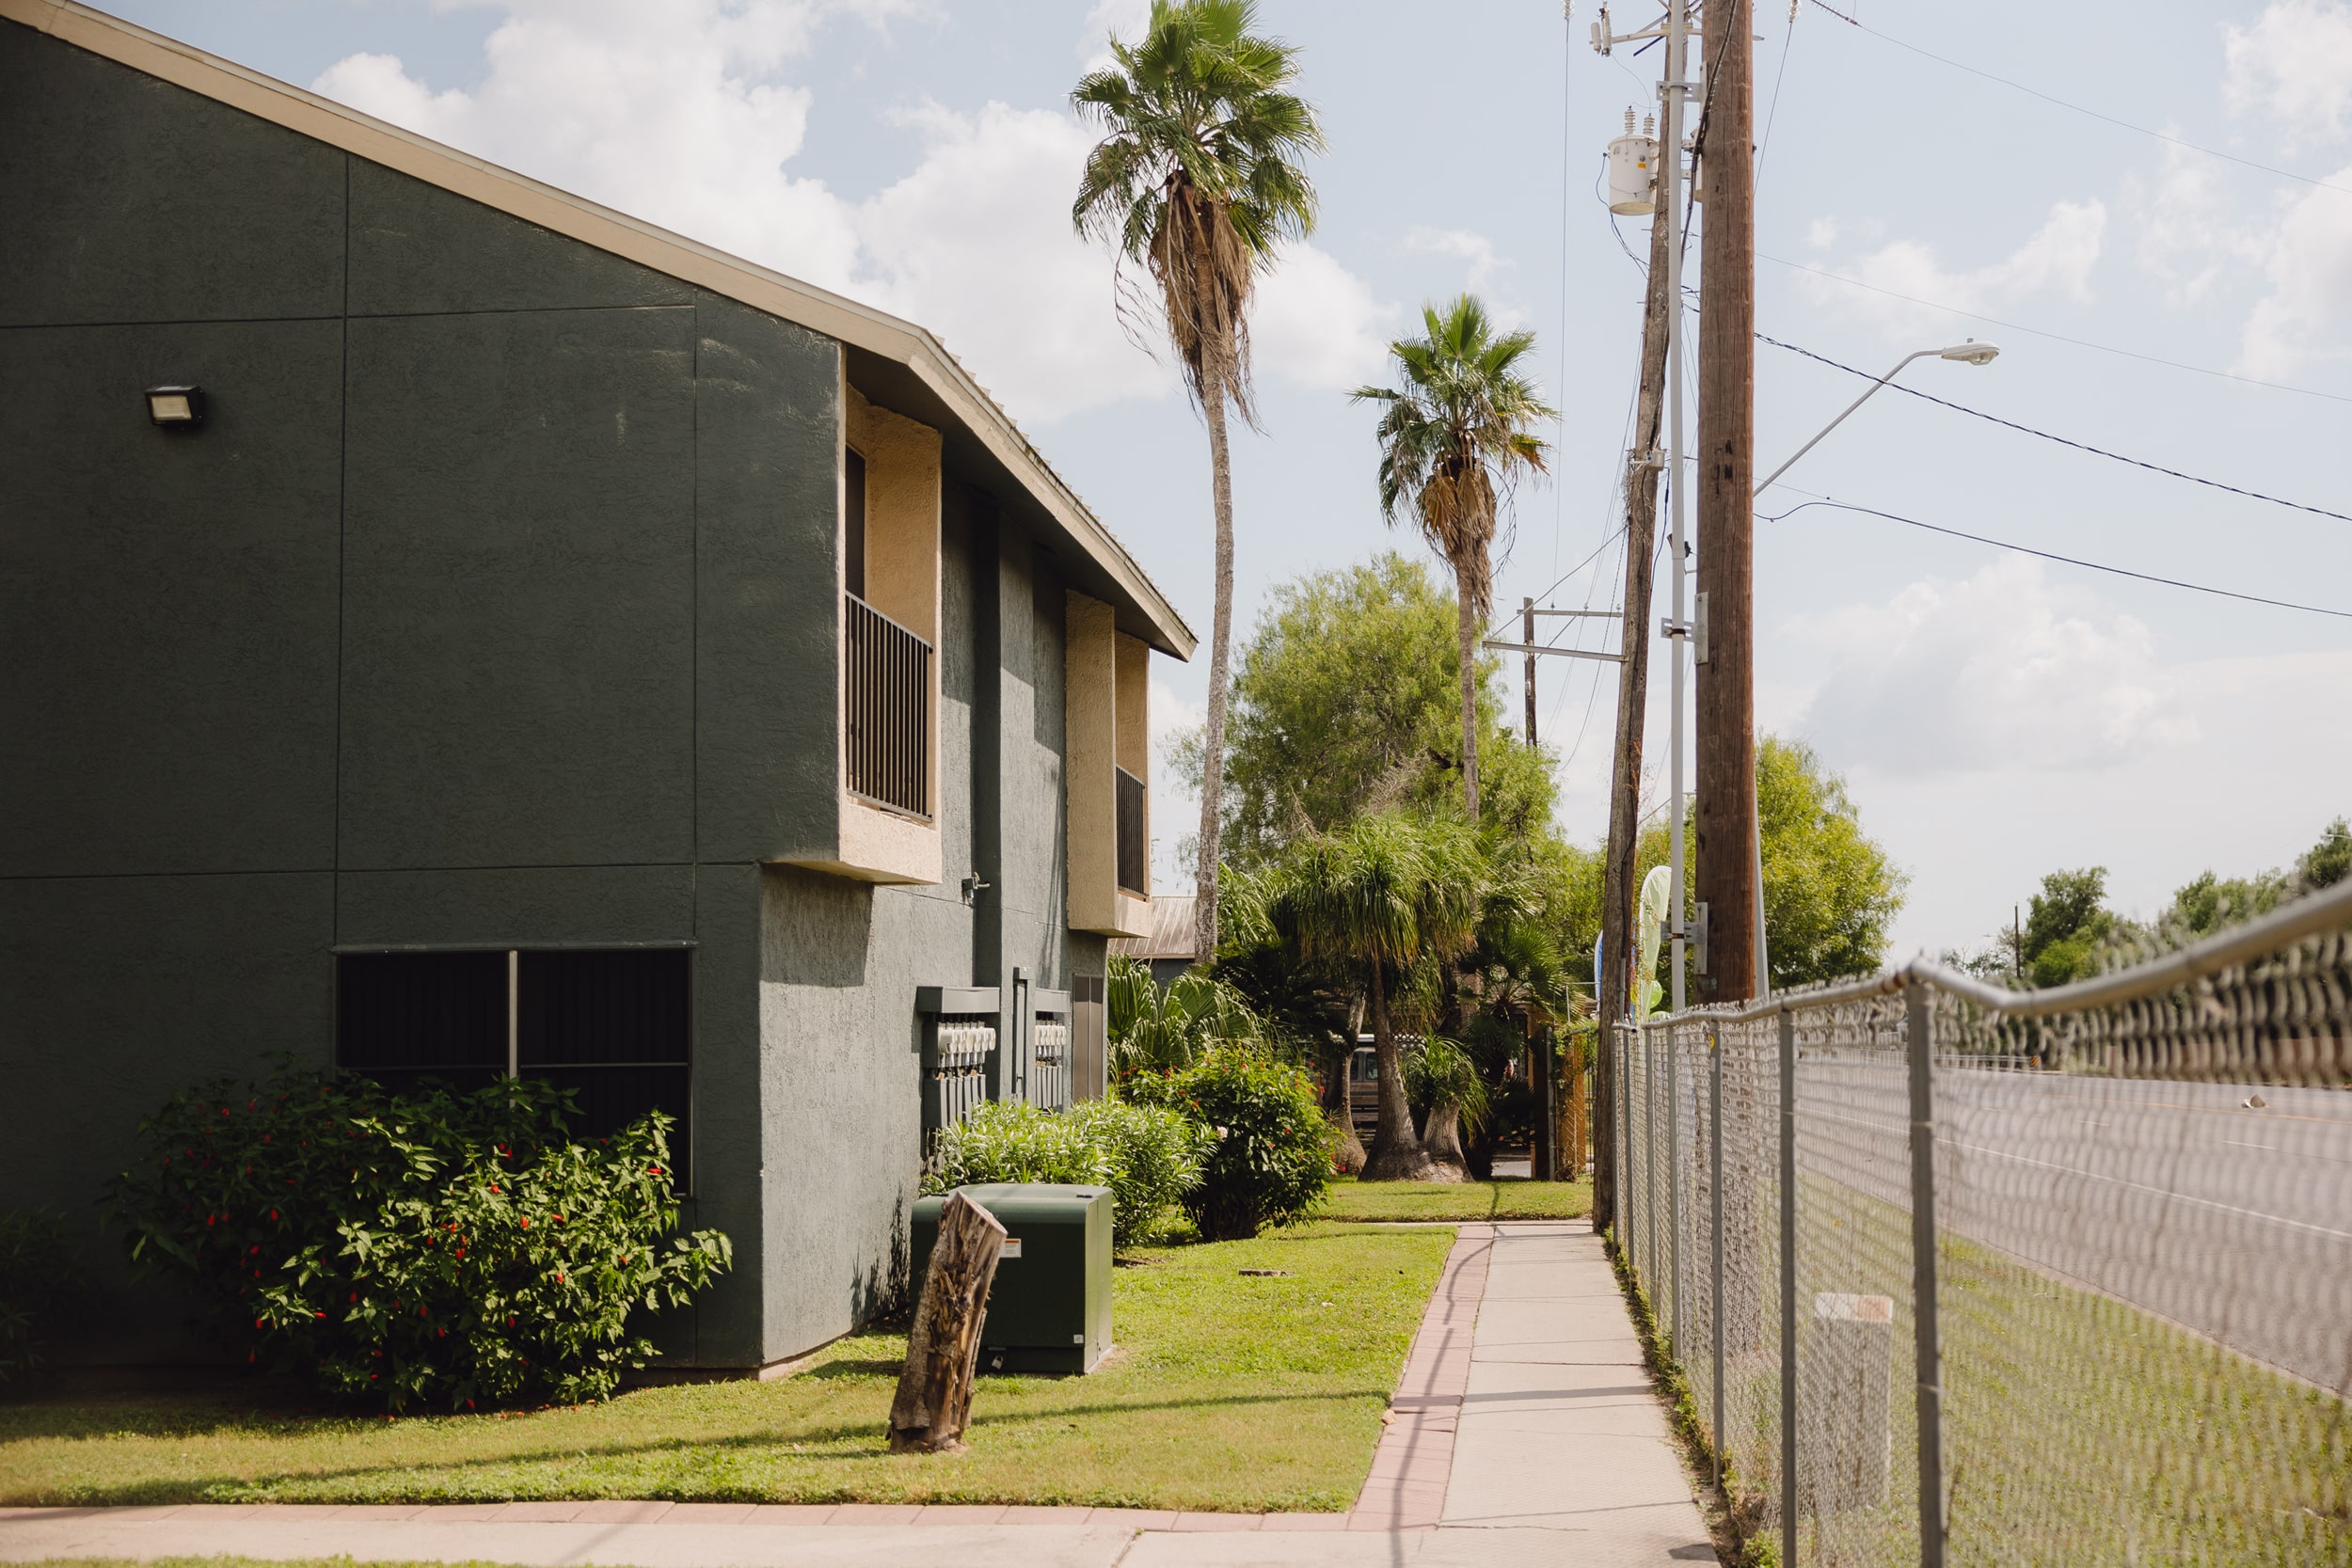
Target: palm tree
<point>1197,181</point>
<point>1455,438</point>
<point>1380,895</point>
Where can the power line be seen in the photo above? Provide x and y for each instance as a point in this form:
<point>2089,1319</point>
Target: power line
<point>2055,337</point>
<point>2047,98</point>
<point>1771,115</point>
<point>2062,440</point>
<point>2046,555</point>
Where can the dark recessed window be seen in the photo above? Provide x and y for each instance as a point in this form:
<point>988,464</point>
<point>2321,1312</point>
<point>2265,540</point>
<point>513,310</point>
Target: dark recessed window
<point>853,521</point>
<point>614,1025</point>
<point>403,1017</point>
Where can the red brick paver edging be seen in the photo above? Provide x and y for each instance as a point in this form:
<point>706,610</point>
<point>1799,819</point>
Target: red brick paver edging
<point>1409,1470</point>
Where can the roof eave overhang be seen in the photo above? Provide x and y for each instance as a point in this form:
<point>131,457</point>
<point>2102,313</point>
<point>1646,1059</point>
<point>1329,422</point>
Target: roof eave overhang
<point>1144,611</point>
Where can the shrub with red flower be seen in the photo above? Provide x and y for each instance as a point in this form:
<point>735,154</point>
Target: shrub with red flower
<point>382,1244</point>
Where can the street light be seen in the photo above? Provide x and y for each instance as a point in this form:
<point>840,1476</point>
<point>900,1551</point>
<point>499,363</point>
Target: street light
<point>1969,353</point>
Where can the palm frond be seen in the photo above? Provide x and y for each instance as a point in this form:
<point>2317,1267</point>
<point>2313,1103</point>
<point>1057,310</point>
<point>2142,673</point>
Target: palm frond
<point>1197,178</point>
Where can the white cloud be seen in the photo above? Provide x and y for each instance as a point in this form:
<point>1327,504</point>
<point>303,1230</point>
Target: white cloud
<point>1999,727</point>
<point>2294,63</point>
<point>2206,229</point>
<point>666,109</point>
<point>2057,257</point>
<point>2193,235</point>
<point>976,244</point>
<point>1317,323</point>
<point>684,113</point>
<point>1467,244</point>
<point>2307,264</point>
<point>1124,20</point>
<point>2239,798</point>
<point>2002,671</point>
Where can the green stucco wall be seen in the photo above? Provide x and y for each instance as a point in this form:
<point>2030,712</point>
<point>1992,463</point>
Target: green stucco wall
<point>493,604</point>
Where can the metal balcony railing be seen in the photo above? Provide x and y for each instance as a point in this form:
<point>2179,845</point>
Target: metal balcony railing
<point>888,705</point>
<point>1135,849</point>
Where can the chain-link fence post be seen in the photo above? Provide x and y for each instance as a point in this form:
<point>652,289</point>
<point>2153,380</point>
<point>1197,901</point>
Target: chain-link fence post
<point>1673,1183</point>
<point>1621,1141</point>
<point>1715,1227</point>
<point>1919,1008</point>
<point>1788,1290</point>
<point>1649,1171</point>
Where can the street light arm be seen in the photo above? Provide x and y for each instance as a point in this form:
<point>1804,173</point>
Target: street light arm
<point>1923,354</point>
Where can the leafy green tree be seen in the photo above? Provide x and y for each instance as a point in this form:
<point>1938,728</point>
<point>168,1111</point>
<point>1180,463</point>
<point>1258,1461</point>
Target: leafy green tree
<point>1454,438</point>
<point>1831,892</point>
<point>2065,924</point>
<point>2206,905</point>
<point>1382,894</point>
<point>1197,181</point>
<point>1345,702</point>
<point>2211,902</point>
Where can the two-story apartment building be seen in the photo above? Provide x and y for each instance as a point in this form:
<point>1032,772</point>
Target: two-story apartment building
<point>449,628</point>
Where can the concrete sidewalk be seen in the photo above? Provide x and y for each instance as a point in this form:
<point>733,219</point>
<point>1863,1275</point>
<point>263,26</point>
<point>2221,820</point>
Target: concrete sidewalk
<point>1560,1430</point>
<point>1524,1431</point>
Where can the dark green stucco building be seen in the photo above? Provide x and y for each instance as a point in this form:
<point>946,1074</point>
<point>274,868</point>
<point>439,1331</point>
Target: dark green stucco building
<point>556,648</point>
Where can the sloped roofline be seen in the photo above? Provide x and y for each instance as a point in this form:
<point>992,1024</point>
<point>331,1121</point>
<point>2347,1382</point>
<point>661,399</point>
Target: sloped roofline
<point>857,326</point>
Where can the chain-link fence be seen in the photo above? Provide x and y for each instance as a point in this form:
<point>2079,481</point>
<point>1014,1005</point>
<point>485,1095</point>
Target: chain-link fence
<point>2074,1265</point>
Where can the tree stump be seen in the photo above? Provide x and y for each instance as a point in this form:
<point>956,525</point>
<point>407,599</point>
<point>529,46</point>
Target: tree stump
<point>934,1398</point>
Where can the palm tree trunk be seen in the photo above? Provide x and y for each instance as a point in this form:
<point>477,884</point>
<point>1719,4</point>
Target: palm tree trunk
<point>1220,637</point>
<point>1396,1154</point>
<point>1466,629</point>
<point>1444,1139</point>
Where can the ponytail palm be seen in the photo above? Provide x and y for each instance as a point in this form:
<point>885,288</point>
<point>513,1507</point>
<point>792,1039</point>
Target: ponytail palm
<point>1197,181</point>
<point>1379,896</point>
<point>1454,440</point>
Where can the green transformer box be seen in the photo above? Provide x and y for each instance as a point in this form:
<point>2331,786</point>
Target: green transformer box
<point>1049,1309</point>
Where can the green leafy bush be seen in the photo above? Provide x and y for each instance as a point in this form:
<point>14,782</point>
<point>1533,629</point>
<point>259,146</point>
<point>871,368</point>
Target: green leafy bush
<point>41,1284</point>
<point>1268,1159</point>
<point>1155,1157</point>
<point>1148,1158</point>
<point>1014,1141</point>
<point>416,1249</point>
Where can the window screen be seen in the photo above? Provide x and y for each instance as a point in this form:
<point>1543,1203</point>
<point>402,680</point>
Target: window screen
<point>612,1026</point>
<point>402,1017</point>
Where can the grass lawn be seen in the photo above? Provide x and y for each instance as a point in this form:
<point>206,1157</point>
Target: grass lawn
<point>1226,1392</point>
<point>1513,1200</point>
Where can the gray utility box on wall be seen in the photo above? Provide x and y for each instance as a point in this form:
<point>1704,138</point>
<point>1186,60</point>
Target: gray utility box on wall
<point>1049,1309</point>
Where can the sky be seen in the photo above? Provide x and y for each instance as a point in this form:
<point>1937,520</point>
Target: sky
<point>2148,207</point>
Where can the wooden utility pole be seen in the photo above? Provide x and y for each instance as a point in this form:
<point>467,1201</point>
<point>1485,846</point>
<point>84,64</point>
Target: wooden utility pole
<point>1616,980</point>
<point>1542,1076</point>
<point>1725,722</point>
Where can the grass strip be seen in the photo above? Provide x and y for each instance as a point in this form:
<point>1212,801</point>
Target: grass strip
<point>1508,1199</point>
<point>1229,1392</point>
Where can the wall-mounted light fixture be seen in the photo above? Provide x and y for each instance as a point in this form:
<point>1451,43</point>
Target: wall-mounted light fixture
<point>180,408</point>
